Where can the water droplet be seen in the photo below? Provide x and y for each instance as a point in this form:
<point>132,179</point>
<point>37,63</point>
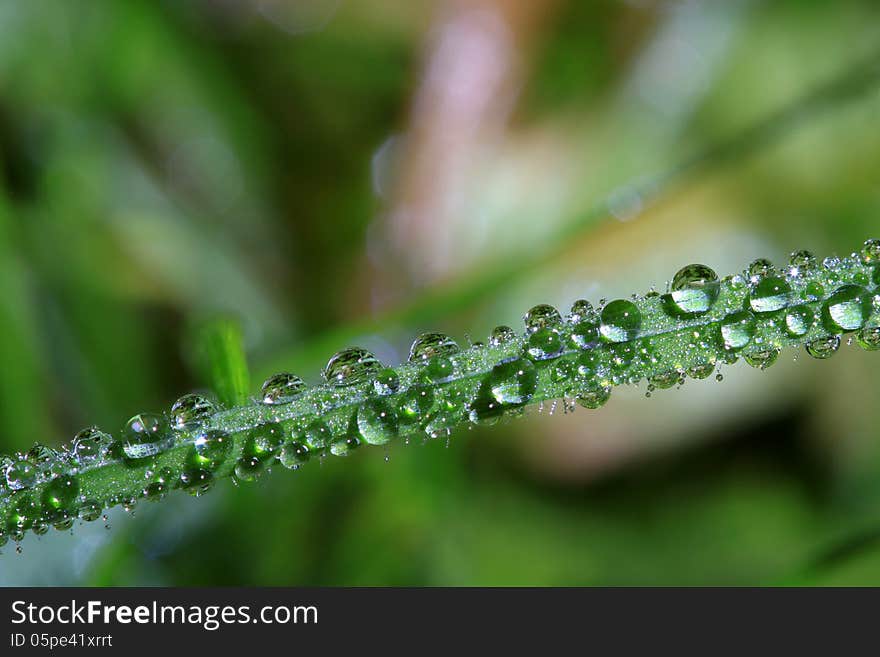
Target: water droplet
<point>665,380</point>
<point>582,310</point>
<point>769,295</point>
<point>21,474</point>
<point>585,334</point>
<point>694,289</point>
<point>293,455</point>
<point>90,510</point>
<point>415,403</point>
<point>702,371</point>
<point>544,344</point>
<point>190,410</point>
<point>870,253</point>
<point>799,320</point>
<point>210,449</point>
<point>762,359</point>
<point>90,444</point>
<point>439,369</point>
<point>847,309</point>
<point>510,384</point>
<point>824,347</point>
<point>377,422</point>
<point>350,366</point>
<point>387,382</point>
<point>621,321</point>
<point>541,316</point>
<point>282,388</point>
<point>801,262</point>
<point>430,345</point>
<point>60,493</point>
<point>343,445</point>
<point>738,329</point>
<point>23,510</point>
<point>196,481</point>
<point>145,435</point>
<point>501,335</point>
<point>316,436</point>
<point>594,397</point>
<point>759,268</point>
<point>155,491</point>
<point>869,338</point>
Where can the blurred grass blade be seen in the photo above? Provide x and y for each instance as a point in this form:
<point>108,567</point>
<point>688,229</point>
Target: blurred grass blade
<point>222,360</point>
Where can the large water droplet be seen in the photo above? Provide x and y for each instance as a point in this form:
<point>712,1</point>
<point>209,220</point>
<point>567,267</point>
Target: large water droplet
<point>762,359</point>
<point>544,344</point>
<point>387,382</point>
<point>510,384</point>
<point>90,444</point>
<point>415,403</point>
<point>541,316</point>
<point>759,268</point>
<point>23,510</point>
<point>429,345</point>
<point>594,397</point>
<point>439,369</point>
<point>824,347</point>
<point>60,495</point>
<point>377,422</point>
<point>801,263</point>
<point>350,366</point>
<point>501,335</point>
<point>694,289</point>
<point>621,321</point>
<point>581,311</point>
<point>665,380</point>
<point>293,455</point>
<point>769,295</point>
<point>799,320</point>
<point>738,329</point>
<point>585,334</point>
<point>317,435</point>
<point>282,388</point>
<point>702,371</point>
<point>190,410</point>
<point>210,449</point>
<point>21,474</point>
<point>145,435</point>
<point>847,309</point>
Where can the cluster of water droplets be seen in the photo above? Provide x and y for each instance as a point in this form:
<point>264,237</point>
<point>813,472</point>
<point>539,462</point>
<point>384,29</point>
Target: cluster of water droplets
<point>699,323</point>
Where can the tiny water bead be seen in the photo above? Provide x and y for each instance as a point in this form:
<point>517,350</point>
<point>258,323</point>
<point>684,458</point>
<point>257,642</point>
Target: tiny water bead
<point>738,329</point>
<point>770,294</point>
<point>694,290</point>
<point>763,358</point>
<point>847,309</point>
<point>799,320</point>
<point>293,455</point>
<point>90,444</point>
<point>870,253</point>
<point>430,345</point>
<point>190,410</point>
<point>350,366</point>
<point>145,435</point>
<point>501,335</point>
<point>21,474</point>
<point>511,383</point>
<point>620,321</point>
<point>541,316</point>
<point>544,344</point>
<point>387,382</point>
<point>282,388</point>
<point>824,347</point>
<point>376,422</point>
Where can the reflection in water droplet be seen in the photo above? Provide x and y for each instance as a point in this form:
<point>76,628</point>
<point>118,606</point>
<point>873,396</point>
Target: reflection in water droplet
<point>282,388</point>
<point>21,474</point>
<point>544,344</point>
<point>581,311</point>
<point>847,309</point>
<point>60,495</point>
<point>387,382</point>
<point>145,435</point>
<point>621,321</point>
<point>541,316</point>
<point>799,320</point>
<point>190,410</point>
<point>210,450</point>
<point>377,422</point>
<point>769,295</point>
<point>694,289</point>
<point>429,345</point>
<point>665,380</point>
<point>293,455</point>
<point>738,329</point>
<point>501,335</point>
<point>760,268</point>
<point>350,366</point>
<point>585,334</point>
<point>703,371</point>
<point>870,253</point>
<point>802,262</point>
<point>594,398</point>
<point>90,444</point>
<point>824,347</point>
<point>869,338</point>
<point>762,359</point>
<point>510,384</point>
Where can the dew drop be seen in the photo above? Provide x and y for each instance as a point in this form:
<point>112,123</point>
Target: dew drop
<point>196,481</point>
<point>21,474</point>
<point>738,329</point>
<point>544,344</point>
<point>376,422</point>
<point>316,436</point>
<point>541,316</point>
<point>759,268</point>
<point>145,435</point>
<point>501,335</point>
<point>439,369</point>
<point>769,295</point>
<point>415,403</point>
<point>621,321</point>
<point>847,309</point>
<point>60,493</point>
<point>582,311</point>
<point>293,455</point>
<point>190,410</point>
<point>23,511</point>
<point>869,338</point>
<point>870,253</point>
<point>594,397</point>
<point>387,382</point>
<point>799,320</point>
<point>90,510</point>
<point>282,388</point>
<point>430,345</point>
<point>665,380</point>
<point>90,444</point>
<point>350,366</point>
<point>801,262</point>
<point>585,334</point>
<point>824,347</point>
<point>210,449</point>
<point>762,359</point>
<point>702,371</point>
<point>509,384</point>
<point>694,290</point>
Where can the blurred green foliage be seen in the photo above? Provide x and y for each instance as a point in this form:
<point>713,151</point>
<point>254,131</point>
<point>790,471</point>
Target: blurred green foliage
<point>165,161</point>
